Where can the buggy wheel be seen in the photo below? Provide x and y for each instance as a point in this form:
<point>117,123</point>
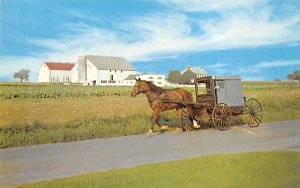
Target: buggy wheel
<point>252,112</point>
<point>221,116</point>
<point>187,123</point>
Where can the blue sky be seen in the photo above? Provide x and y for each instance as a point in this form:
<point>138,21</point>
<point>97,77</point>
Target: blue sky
<point>257,39</point>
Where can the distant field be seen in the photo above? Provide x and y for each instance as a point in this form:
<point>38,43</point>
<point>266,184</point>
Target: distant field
<point>45,91</point>
<point>258,169</point>
<point>27,120</point>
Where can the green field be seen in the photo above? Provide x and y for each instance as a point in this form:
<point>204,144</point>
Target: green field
<point>257,169</point>
<point>72,113</point>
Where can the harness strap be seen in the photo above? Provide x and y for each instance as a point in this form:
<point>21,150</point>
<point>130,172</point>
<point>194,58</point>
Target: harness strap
<point>154,97</point>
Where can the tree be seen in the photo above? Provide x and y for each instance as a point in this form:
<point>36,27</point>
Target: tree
<point>187,76</point>
<point>22,75</point>
<point>174,76</point>
<point>294,76</point>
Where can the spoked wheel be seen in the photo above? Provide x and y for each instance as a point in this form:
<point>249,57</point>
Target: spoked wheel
<point>252,112</point>
<point>187,123</point>
<point>221,116</point>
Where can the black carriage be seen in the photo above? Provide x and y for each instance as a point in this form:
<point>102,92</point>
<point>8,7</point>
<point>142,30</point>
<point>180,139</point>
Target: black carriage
<point>220,98</point>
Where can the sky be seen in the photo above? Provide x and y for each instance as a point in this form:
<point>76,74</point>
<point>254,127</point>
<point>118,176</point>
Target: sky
<point>256,39</point>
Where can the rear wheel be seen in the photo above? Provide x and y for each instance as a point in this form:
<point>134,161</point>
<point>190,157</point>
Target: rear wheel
<point>252,112</point>
<point>221,116</point>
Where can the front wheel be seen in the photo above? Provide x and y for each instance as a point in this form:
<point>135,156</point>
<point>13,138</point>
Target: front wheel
<point>187,122</point>
<point>252,112</point>
<point>221,116</point>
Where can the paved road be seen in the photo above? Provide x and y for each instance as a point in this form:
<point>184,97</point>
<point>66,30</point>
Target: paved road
<point>43,162</point>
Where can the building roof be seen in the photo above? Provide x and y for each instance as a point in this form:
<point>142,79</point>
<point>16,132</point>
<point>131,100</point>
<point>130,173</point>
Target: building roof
<point>110,63</point>
<point>199,70</point>
<point>59,66</point>
<point>131,77</point>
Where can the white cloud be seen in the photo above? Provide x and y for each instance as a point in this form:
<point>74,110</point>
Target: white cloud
<point>253,78</point>
<point>162,35</point>
<point>251,73</point>
<point>279,63</point>
<point>166,34</point>
<point>211,5</point>
<point>217,65</point>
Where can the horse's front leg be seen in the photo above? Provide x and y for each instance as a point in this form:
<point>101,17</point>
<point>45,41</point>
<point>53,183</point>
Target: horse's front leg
<point>155,121</point>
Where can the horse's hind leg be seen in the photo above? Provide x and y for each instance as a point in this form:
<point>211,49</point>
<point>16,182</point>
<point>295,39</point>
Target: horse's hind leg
<point>192,117</point>
<point>179,127</point>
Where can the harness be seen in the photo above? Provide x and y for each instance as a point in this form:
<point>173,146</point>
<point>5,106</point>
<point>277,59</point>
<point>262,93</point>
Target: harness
<point>154,97</point>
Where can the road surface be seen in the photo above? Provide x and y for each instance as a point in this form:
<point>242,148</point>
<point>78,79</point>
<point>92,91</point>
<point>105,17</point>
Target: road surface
<point>43,162</point>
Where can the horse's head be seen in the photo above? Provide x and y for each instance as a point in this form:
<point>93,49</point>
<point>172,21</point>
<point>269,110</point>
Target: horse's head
<point>140,86</point>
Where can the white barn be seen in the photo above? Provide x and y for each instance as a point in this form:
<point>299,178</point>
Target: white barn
<point>103,70</point>
<point>53,72</point>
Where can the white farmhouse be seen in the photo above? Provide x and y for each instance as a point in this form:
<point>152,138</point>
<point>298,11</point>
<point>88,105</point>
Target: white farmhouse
<point>102,70</point>
<point>157,79</point>
<point>55,72</point>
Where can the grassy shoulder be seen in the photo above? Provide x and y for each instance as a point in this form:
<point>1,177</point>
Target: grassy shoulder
<point>256,169</point>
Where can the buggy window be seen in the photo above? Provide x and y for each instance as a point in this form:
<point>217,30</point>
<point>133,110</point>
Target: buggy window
<point>204,87</point>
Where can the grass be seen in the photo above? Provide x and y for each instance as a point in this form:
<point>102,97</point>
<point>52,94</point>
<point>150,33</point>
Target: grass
<point>34,121</point>
<point>66,109</point>
<point>74,130</point>
<point>256,169</point>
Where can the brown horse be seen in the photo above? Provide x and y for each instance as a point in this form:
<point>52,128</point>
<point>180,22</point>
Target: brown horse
<point>158,99</point>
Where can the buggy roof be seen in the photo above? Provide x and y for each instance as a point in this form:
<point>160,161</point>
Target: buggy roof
<point>231,77</point>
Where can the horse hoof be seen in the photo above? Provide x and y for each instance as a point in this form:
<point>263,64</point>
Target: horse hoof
<point>178,130</point>
<point>196,125</point>
<point>149,133</point>
<point>164,127</point>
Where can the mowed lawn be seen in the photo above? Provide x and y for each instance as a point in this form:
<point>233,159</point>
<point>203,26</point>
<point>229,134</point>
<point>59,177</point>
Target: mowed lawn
<point>256,169</point>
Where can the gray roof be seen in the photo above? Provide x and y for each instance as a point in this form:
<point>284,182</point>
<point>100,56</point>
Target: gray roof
<point>131,77</point>
<point>229,77</point>
<point>110,63</point>
<point>199,70</point>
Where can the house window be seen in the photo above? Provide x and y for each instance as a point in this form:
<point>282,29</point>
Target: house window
<point>111,77</point>
<point>150,77</point>
<point>115,70</point>
<point>121,71</point>
<point>159,78</point>
<point>109,70</point>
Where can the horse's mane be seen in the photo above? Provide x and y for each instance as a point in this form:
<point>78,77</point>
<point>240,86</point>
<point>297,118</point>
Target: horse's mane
<point>154,87</point>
